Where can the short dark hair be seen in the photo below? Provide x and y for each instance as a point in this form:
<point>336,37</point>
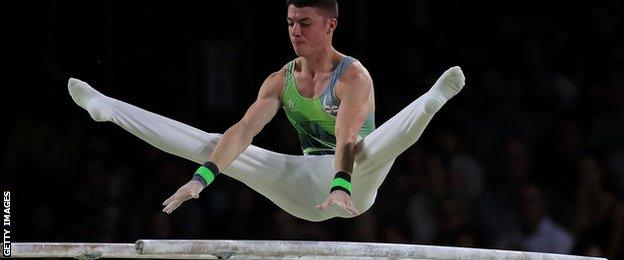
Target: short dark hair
<point>329,7</point>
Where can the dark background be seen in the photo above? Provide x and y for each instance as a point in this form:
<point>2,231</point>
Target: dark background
<point>534,140</point>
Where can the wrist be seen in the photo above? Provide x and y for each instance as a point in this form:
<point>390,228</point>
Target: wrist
<point>206,173</point>
<point>342,181</point>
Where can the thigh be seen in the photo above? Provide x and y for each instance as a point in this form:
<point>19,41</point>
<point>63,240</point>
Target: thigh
<point>394,136</point>
<point>294,183</point>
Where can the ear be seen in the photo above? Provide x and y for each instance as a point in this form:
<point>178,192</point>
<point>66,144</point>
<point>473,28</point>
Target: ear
<point>331,25</point>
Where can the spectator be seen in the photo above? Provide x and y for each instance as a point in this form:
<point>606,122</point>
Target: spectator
<point>537,231</point>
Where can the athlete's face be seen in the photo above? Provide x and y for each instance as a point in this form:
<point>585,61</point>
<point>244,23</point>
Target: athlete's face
<point>309,29</point>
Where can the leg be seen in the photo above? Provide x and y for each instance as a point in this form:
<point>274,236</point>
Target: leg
<point>291,182</point>
<point>163,133</point>
<point>379,149</point>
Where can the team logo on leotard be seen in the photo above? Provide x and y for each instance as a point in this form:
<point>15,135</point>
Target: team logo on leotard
<point>331,109</point>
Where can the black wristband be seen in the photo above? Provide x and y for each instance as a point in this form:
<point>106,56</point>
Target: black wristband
<point>345,175</point>
<point>212,167</point>
<point>197,177</point>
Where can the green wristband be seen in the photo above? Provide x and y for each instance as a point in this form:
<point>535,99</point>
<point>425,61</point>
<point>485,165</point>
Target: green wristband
<point>206,173</point>
<point>342,183</point>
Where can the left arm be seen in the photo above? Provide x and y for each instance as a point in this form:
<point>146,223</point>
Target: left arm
<point>355,94</point>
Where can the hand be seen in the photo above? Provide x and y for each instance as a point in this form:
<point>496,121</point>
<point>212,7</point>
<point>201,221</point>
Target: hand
<point>189,190</point>
<point>341,199</point>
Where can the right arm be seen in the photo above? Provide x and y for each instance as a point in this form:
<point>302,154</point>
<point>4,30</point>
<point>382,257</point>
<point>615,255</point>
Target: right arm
<point>237,138</point>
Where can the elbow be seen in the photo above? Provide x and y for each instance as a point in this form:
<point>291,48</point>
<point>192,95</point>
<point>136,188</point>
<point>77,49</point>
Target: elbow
<point>247,131</point>
<point>239,132</point>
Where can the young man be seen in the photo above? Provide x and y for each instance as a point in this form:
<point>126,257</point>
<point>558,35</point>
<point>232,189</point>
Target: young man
<point>329,99</point>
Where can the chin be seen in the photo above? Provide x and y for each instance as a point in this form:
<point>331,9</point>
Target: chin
<point>300,51</point>
<point>297,50</point>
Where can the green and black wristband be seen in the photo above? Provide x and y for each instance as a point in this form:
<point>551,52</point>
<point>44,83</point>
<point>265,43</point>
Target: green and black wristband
<point>342,181</point>
<point>206,173</point>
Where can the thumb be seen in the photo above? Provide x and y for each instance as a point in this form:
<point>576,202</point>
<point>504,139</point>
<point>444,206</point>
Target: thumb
<point>194,190</point>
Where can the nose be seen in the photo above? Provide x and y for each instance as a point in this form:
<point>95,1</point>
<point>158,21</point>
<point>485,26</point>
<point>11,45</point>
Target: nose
<point>296,30</point>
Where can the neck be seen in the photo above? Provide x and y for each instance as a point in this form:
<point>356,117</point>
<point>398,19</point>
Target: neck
<point>321,61</point>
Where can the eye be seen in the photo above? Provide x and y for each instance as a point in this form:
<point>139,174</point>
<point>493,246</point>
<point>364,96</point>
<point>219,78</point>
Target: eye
<point>291,24</point>
<point>305,24</point>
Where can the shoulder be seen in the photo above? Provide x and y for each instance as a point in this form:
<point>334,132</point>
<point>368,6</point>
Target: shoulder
<point>277,76</point>
<point>274,83</point>
<point>355,78</point>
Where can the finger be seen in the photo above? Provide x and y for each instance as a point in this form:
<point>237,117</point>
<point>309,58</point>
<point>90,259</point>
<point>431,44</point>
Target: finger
<point>172,206</point>
<point>168,200</point>
<point>167,209</point>
<point>322,206</point>
<point>352,207</point>
<point>352,210</point>
<point>348,206</point>
<point>174,197</point>
<point>328,202</point>
<point>348,209</point>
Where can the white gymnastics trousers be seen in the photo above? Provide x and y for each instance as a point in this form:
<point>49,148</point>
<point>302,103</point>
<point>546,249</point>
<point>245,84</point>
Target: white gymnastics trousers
<point>294,183</point>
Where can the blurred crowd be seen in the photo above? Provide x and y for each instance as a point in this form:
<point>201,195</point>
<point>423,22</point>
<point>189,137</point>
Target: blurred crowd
<point>529,156</point>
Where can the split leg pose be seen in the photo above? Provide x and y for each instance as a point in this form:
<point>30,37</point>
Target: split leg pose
<point>329,99</point>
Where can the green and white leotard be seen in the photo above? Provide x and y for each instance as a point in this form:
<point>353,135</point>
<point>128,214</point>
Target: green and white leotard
<point>315,118</point>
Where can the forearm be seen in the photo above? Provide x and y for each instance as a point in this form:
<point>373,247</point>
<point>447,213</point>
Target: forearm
<point>340,188</point>
<point>345,155</point>
<point>233,142</point>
